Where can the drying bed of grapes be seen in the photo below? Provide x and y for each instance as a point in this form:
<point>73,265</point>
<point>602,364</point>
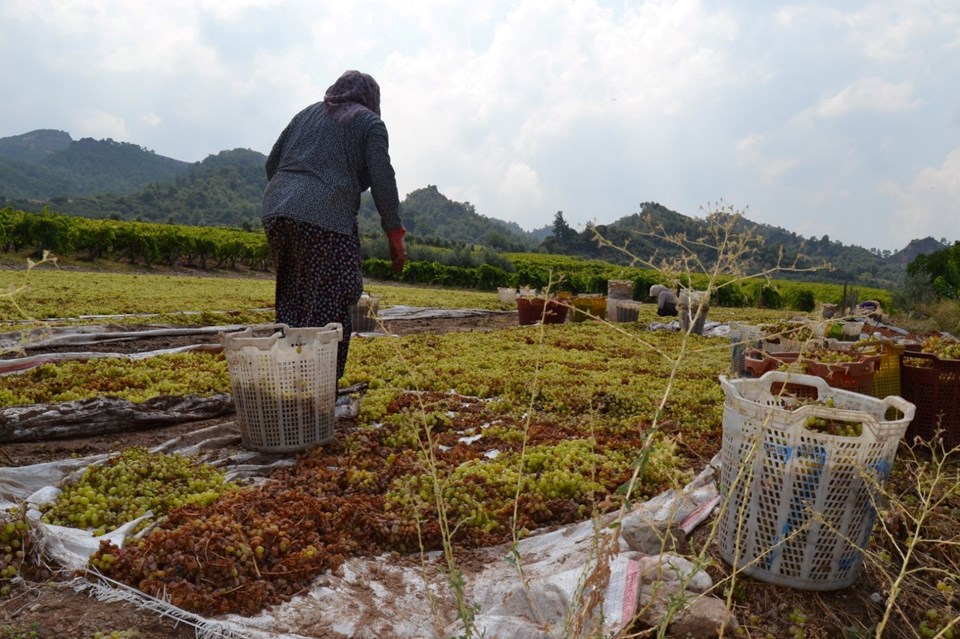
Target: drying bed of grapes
<point>505,432</point>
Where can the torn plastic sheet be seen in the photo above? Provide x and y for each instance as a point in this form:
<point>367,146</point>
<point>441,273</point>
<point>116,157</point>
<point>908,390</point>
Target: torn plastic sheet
<point>102,415</point>
<point>710,329</point>
<point>418,312</point>
<point>105,334</point>
<point>397,597</point>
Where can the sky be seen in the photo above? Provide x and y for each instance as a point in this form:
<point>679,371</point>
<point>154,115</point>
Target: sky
<point>823,117</point>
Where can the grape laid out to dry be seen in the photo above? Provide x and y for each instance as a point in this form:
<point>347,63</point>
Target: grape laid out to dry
<point>129,485</point>
<point>13,530</point>
<point>365,493</point>
<point>832,356</point>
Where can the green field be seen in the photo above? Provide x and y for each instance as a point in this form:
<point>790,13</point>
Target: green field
<point>560,418</point>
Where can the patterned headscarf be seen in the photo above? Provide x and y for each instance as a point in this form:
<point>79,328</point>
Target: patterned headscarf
<point>352,92</point>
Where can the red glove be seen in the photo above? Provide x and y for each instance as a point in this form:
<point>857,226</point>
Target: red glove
<point>398,249</point>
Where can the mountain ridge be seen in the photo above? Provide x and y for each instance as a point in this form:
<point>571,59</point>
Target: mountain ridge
<point>105,178</point>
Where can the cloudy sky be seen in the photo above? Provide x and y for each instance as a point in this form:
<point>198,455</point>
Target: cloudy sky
<point>822,120</point>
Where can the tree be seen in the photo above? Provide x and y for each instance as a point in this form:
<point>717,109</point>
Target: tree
<point>565,236</point>
<point>941,269</point>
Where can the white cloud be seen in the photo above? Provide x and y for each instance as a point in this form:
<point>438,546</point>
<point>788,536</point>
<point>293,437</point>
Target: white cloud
<point>928,206</point>
<point>101,125</point>
<point>525,107</point>
<point>889,31</point>
<point>753,154</point>
<point>521,185</point>
<point>868,94</point>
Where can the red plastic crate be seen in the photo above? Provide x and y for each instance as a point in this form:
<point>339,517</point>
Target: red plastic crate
<point>933,385</point>
<point>852,376</point>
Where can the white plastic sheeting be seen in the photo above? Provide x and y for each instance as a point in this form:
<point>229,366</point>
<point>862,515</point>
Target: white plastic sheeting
<point>534,596</point>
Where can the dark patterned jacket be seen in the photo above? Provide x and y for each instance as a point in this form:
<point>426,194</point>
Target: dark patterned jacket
<point>318,168</point>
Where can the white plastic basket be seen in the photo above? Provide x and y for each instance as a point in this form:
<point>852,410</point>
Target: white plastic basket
<point>742,336</point>
<point>798,505</point>
<point>284,385</point>
<point>363,314</point>
<point>507,295</point>
<point>619,290</point>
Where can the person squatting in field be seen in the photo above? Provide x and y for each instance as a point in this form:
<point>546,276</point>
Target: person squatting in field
<point>329,154</point>
<point>666,300</point>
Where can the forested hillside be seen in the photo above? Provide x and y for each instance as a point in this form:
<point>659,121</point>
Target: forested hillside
<point>47,164</point>
<point>429,214</point>
<point>643,234</point>
<point>223,190</point>
<point>108,179</point>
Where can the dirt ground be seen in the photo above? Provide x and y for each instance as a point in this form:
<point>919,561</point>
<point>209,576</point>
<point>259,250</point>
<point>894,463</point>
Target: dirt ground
<point>46,604</point>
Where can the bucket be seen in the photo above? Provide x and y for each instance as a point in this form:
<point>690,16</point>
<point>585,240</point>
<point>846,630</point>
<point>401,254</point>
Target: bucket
<point>507,295</point>
<point>620,289</point>
<point>284,385</point>
<point>627,311</point>
<point>363,314</point>
<point>534,309</point>
<point>742,336</point>
<point>797,504</point>
<point>695,316</point>
<point>588,307</point>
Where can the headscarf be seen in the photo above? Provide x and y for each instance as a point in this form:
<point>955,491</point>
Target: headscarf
<point>351,93</point>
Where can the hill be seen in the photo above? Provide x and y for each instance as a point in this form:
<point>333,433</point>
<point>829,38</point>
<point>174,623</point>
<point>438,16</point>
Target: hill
<point>223,190</point>
<point>36,146</point>
<point>429,214</point>
<point>116,179</point>
<point>644,235</point>
<point>47,164</point>
<point>926,246</point>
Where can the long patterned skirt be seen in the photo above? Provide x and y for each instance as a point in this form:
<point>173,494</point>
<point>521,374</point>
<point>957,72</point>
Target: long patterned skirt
<point>318,276</point>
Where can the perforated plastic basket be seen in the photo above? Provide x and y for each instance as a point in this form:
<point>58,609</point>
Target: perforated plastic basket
<point>695,315</point>
<point>933,384</point>
<point>619,290</point>
<point>284,385</point>
<point>627,311</point>
<point>742,336</point>
<point>363,315</point>
<point>798,504</point>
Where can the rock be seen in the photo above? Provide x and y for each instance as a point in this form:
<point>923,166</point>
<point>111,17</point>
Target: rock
<point>703,617</point>
<point>691,615</point>
<point>675,571</point>
<point>652,537</point>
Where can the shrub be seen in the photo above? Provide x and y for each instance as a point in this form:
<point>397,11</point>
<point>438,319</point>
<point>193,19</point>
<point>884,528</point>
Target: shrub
<point>769,297</point>
<point>731,295</point>
<point>803,300</point>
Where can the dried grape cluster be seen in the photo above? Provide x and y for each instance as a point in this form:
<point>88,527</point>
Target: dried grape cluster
<point>799,331</point>
<point>258,546</point>
<point>116,634</point>
<point>13,531</point>
<point>129,485</point>
<point>942,347</point>
<point>580,447</point>
<point>251,549</point>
